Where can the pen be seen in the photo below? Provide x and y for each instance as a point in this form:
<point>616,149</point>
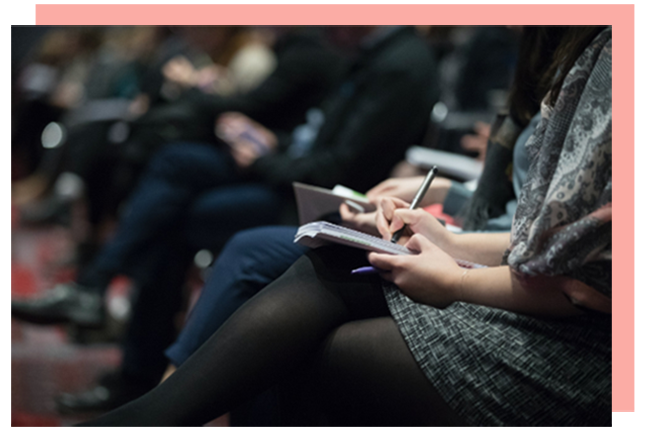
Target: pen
<point>366,270</point>
<point>417,199</point>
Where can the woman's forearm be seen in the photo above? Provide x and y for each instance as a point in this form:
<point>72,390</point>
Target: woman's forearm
<point>498,287</point>
<point>481,248</point>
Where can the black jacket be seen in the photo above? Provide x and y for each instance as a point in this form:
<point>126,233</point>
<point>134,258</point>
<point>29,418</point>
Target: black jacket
<point>381,109</point>
<point>305,74</point>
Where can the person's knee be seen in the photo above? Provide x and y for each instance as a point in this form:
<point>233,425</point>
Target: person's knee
<point>243,246</point>
<point>368,376</point>
<point>267,251</point>
<point>351,347</point>
<point>178,158</point>
<point>248,261</point>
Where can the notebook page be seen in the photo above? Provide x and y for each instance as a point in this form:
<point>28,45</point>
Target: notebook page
<point>318,233</point>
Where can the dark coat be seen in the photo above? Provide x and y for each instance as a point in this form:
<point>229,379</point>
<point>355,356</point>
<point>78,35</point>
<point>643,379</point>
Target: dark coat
<point>381,108</point>
<point>305,74</point>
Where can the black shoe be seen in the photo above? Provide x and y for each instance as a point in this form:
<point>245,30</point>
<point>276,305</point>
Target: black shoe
<point>66,303</point>
<point>112,391</point>
<point>52,209</point>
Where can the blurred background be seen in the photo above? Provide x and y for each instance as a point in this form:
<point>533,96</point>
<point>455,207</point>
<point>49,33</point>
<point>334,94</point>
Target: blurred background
<point>90,105</point>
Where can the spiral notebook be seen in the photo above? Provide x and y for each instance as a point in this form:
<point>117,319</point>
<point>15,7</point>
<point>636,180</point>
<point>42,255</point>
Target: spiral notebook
<point>319,233</point>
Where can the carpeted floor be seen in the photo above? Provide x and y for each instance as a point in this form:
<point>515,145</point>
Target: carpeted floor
<point>48,360</point>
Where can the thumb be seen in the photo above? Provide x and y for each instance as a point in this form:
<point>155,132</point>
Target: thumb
<point>404,216</point>
<point>382,261</point>
<point>418,243</point>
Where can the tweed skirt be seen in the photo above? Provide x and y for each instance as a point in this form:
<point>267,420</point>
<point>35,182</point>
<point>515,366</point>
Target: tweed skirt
<point>498,368</point>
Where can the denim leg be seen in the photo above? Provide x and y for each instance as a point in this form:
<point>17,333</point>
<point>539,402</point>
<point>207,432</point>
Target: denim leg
<point>176,176</point>
<point>219,213</point>
<point>251,260</point>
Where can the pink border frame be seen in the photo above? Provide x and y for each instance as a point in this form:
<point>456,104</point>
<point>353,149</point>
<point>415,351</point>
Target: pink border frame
<point>620,17</point>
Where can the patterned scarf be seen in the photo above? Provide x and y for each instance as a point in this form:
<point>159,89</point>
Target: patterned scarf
<point>563,223</point>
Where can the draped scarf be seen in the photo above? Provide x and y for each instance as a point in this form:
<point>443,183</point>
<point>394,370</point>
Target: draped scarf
<point>563,222</point>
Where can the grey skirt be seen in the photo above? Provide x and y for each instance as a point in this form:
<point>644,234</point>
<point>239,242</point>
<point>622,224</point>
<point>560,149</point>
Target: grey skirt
<point>496,368</point>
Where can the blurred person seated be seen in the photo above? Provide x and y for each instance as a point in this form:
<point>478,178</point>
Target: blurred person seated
<point>45,84</point>
<point>476,70</point>
<point>203,194</point>
<point>101,159</point>
<point>117,86</point>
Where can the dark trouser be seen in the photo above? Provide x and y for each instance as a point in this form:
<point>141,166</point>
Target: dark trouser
<point>189,192</point>
<point>184,183</point>
<point>251,260</point>
<point>161,272</point>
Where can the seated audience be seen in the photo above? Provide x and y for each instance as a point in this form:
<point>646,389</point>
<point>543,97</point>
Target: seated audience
<point>102,158</point>
<point>380,109</point>
<point>524,342</point>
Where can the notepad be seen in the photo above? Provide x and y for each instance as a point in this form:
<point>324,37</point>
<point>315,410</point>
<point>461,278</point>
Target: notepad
<point>459,166</point>
<point>315,202</point>
<point>319,233</point>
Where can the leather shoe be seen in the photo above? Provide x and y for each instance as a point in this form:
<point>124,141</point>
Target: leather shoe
<point>65,303</point>
<point>111,392</point>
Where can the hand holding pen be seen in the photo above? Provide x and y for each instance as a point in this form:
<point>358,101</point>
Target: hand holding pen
<point>394,214</point>
<point>417,199</point>
<point>389,205</point>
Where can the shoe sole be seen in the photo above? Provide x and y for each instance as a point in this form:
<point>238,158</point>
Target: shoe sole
<point>40,319</point>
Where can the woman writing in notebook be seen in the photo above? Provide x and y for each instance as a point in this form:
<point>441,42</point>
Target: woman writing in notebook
<point>524,342</point>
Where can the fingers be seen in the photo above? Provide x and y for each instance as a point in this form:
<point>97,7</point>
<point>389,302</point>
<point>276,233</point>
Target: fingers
<point>383,261</point>
<point>385,216</point>
<point>230,126</point>
<point>388,205</point>
<point>381,189</point>
<point>346,213</point>
<point>383,222</point>
<point>418,220</point>
<point>482,129</point>
<point>243,153</point>
<point>404,216</point>
<point>418,243</point>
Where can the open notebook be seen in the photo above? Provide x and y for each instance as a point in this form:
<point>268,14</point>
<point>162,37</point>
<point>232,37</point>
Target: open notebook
<point>315,203</point>
<point>319,233</point>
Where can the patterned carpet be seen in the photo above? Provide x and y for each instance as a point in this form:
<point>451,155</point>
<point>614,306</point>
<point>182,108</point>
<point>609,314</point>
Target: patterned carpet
<point>48,360</point>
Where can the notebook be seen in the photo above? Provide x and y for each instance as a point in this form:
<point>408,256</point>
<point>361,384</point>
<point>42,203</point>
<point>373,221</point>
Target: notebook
<point>314,203</point>
<point>459,166</point>
<point>319,233</point>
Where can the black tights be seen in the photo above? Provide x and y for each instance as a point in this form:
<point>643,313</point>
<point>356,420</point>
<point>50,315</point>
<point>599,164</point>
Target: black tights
<point>315,313</point>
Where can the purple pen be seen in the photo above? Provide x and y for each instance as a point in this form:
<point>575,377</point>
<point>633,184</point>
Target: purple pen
<point>366,270</point>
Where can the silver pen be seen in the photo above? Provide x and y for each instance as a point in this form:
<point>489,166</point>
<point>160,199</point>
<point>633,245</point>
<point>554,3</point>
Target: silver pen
<point>418,198</point>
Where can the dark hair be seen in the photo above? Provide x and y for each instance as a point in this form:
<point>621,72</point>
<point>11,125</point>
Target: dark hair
<point>546,55</point>
<point>574,41</point>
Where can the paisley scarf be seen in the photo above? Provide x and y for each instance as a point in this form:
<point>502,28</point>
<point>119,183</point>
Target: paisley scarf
<point>563,223</point>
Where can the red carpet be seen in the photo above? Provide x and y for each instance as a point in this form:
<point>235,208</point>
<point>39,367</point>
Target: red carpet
<point>44,359</point>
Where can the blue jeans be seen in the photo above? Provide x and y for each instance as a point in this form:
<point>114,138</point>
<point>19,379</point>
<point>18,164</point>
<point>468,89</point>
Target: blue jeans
<point>251,260</point>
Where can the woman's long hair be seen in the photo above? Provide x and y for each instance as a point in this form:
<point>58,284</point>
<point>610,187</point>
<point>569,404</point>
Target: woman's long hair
<point>546,55</point>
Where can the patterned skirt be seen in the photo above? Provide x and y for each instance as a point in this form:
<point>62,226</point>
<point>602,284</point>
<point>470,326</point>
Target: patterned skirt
<point>496,368</point>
